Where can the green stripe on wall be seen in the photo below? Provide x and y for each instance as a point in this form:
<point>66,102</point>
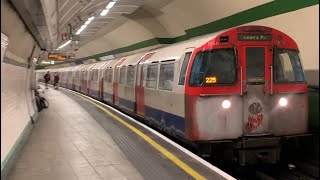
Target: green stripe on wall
<point>270,9</point>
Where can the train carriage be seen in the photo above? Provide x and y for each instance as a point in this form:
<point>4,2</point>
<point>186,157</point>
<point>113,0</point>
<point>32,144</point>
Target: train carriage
<point>85,76</point>
<point>108,81</point>
<point>126,77</point>
<point>95,82</point>
<point>64,76</point>
<point>241,88</point>
<point>68,74</point>
<point>70,77</point>
<point>77,77</point>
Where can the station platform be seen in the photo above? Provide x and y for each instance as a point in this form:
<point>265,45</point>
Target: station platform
<point>80,138</point>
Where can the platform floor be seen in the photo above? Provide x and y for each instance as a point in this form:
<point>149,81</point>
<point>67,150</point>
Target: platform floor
<point>73,139</point>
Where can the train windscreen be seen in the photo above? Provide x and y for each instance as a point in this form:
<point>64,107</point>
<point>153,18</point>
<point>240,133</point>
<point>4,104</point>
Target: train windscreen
<point>217,66</point>
<point>287,66</point>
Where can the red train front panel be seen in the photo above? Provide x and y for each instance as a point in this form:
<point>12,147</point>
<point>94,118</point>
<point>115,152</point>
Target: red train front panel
<point>247,81</point>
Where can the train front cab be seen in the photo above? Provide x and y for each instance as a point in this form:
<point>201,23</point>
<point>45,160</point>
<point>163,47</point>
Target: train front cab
<point>246,89</point>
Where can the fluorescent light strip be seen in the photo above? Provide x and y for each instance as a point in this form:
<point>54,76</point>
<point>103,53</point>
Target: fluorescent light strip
<point>83,26</point>
<point>110,5</point>
<point>64,44</point>
<point>104,12</point>
<point>90,18</point>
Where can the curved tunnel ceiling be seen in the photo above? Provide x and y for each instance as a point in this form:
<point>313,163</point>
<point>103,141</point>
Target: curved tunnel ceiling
<point>137,24</point>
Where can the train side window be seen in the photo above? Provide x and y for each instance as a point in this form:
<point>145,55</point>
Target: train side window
<point>184,68</point>
<point>110,74</point>
<point>95,75</point>
<point>105,75</point>
<point>122,79</point>
<point>166,76</point>
<point>152,74</point>
<point>83,75</point>
<point>69,74</point>
<point>130,76</point>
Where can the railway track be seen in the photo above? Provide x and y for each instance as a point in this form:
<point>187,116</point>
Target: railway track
<point>270,172</point>
<point>290,174</point>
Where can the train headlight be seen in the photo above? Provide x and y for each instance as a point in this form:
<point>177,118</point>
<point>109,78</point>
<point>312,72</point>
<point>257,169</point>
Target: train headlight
<point>283,102</point>
<point>226,104</point>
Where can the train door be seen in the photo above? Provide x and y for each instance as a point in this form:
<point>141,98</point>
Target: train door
<point>100,82</point>
<point>116,82</point>
<point>84,86</point>
<point>90,81</point>
<point>139,89</point>
<point>256,74</point>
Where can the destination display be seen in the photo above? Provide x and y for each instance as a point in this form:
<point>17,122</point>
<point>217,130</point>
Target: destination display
<point>56,57</point>
<point>254,37</point>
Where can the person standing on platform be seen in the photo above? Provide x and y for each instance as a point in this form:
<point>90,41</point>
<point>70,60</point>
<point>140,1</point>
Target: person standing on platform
<point>47,78</point>
<point>56,80</point>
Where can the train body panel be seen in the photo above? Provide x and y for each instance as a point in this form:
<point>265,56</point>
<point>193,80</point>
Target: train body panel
<point>216,122</point>
<point>96,79</point>
<point>108,80</point>
<point>163,95</point>
<point>77,78</point>
<point>70,76</point>
<point>85,77</point>
<point>64,77</point>
<point>116,73</point>
<point>289,120</point>
<point>127,80</point>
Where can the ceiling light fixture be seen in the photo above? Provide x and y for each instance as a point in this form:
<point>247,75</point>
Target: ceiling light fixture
<point>110,5</point>
<point>90,18</point>
<point>83,26</point>
<point>64,44</point>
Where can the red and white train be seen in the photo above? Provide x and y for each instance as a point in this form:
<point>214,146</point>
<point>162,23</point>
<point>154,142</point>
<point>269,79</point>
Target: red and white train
<point>242,88</point>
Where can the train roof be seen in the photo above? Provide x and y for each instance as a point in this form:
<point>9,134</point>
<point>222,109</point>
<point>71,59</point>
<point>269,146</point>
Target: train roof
<point>175,51</point>
<point>132,60</point>
<point>111,64</point>
<point>99,65</point>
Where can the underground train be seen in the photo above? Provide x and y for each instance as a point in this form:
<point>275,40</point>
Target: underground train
<point>238,93</point>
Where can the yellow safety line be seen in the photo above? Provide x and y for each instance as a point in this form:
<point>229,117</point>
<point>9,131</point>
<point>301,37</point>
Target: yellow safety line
<point>165,152</point>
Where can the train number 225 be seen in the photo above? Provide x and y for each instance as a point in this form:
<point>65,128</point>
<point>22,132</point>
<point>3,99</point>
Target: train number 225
<point>210,80</point>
